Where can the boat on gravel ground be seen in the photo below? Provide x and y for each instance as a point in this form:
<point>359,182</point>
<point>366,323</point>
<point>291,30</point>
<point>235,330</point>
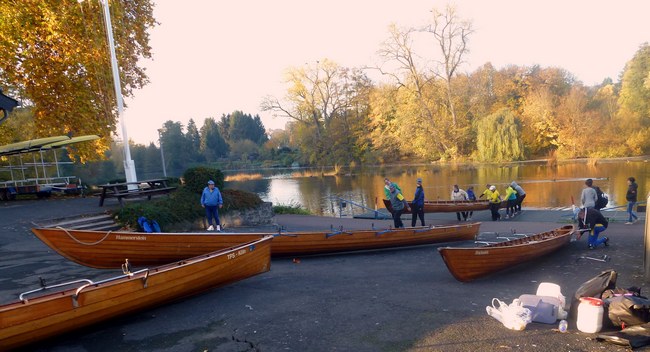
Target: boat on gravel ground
<point>469,263</point>
<point>108,249</point>
<point>53,310</point>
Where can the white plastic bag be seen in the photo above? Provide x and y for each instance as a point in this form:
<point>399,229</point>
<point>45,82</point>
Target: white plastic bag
<point>513,316</point>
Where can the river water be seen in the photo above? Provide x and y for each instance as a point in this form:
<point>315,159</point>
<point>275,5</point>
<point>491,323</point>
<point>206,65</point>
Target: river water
<point>547,186</point>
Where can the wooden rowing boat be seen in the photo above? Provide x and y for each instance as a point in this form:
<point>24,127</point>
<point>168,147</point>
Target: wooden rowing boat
<point>467,264</point>
<point>449,206</point>
<point>100,249</point>
<point>84,302</point>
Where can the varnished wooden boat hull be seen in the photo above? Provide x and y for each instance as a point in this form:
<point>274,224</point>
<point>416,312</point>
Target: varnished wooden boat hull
<point>109,250</point>
<point>330,242</point>
<point>467,264</point>
<point>38,317</point>
<point>450,206</point>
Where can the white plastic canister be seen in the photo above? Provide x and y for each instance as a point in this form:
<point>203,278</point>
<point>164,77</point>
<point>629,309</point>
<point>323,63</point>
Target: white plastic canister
<point>590,315</point>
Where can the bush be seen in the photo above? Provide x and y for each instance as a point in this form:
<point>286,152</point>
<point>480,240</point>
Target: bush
<point>234,199</point>
<point>182,206</point>
<point>196,178</point>
<point>290,209</point>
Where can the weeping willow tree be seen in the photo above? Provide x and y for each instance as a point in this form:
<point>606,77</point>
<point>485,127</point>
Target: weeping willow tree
<point>498,137</point>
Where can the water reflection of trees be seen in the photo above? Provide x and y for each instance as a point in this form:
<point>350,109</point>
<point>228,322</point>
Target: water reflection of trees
<point>546,186</point>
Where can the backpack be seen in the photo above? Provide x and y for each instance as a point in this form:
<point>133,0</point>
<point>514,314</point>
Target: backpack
<point>148,226</point>
<point>601,200</point>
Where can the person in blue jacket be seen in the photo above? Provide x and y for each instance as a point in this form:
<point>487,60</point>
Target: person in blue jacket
<point>211,200</point>
<point>417,205</point>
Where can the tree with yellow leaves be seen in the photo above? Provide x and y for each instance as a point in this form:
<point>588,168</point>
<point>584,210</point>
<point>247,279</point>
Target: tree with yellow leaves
<point>56,62</point>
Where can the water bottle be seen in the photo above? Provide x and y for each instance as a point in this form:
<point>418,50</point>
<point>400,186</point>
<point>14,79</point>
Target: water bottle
<point>563,326</point>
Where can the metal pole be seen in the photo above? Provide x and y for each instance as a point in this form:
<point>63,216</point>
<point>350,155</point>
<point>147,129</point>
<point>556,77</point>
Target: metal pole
<point>646,259</point>
<point>162,154</point>
<point>129,165</point>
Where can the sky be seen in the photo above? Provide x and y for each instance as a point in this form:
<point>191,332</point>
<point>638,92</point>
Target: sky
<point>214,57</point>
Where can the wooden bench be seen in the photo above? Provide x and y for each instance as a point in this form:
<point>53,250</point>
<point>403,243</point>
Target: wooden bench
<point>123,190</point>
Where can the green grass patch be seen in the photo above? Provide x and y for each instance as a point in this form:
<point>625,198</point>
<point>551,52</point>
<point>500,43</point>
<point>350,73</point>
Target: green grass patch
<point>290,209</point>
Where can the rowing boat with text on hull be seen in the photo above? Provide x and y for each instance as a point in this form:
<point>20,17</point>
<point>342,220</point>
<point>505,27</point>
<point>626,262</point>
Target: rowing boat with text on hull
<point>84,302</point>
<point>469,263</point>
<point>449,206</point>
<point>100,249</point>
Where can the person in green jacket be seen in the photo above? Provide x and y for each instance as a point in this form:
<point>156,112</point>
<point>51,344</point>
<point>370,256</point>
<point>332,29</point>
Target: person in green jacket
<point>511,198</point>
<point>387,184</point>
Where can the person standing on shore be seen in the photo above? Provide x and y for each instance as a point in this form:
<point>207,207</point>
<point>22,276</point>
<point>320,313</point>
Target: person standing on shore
<point>458,194</point>
<point>211,200</point>
<point>631,197</point>
<point>417,205</point>
<point>398,203</point>
<point>588,197</point>
<point>511,198</point>
<point>470,196</point>
<point>590,219</point>
<point>495,201</point>
<point>521,194</point>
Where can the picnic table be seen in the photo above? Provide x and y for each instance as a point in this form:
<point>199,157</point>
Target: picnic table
<point>123,190</point>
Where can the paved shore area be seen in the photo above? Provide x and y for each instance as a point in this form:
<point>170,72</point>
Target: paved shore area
<point>386,300</point>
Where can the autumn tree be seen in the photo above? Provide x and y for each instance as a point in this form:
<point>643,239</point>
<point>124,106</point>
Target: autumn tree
<point>432,85</point>
<point>498,137</point>
<point>451,35</point>
<point>634,101</point>
<point>319,98</point>
<point>56,60</point>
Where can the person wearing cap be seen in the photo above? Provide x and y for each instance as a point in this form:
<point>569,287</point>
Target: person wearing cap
<point>211,200</point>
<point>398,204</point>
<point>494,198</point>
<point>458,195</point>
<point>417,205</point>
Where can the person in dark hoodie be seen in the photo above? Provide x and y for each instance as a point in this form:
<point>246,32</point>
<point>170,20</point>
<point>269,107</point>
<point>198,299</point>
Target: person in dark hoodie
<point>591,220</point>
<point>631,197</point>
<point>521,195</point>
<point>417,204</point>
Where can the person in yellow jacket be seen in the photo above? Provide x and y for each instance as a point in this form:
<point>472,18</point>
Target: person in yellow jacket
<point>495,201</point>
<point>511,198</point>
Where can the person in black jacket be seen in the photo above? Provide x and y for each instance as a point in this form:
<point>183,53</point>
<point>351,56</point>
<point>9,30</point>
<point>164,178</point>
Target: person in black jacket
<point>590,219</point>
<point>630,196</point>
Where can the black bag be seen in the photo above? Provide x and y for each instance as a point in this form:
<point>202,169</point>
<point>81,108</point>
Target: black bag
<point>601,200</point>
<point>628,309</point>
<point>593,288</point>
<point>634,336</point>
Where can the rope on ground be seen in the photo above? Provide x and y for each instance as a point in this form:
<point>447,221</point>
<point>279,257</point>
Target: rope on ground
<point>81,242</point>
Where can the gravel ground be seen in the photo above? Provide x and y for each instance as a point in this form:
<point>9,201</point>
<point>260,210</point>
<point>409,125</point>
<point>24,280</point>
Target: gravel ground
<point>388,300</point>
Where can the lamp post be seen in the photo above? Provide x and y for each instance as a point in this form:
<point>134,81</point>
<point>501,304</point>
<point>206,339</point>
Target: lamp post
<point>162,154</point>
<point>129,165</point>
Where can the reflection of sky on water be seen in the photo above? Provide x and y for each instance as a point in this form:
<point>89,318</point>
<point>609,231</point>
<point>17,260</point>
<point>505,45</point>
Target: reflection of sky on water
<point>546,186</point>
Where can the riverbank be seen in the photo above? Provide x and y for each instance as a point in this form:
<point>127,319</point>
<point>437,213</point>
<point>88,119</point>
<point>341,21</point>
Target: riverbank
<point>388,300</point>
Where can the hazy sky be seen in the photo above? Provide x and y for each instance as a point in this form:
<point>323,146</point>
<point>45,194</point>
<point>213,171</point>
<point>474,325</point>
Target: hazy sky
<point>213,57</point>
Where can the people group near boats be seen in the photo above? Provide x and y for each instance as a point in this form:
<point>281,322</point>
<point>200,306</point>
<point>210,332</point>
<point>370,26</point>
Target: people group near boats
<point>514,196</point>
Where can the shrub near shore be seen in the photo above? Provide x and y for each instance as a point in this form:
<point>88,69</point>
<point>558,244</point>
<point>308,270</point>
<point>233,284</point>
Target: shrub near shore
<point>183,206</point>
